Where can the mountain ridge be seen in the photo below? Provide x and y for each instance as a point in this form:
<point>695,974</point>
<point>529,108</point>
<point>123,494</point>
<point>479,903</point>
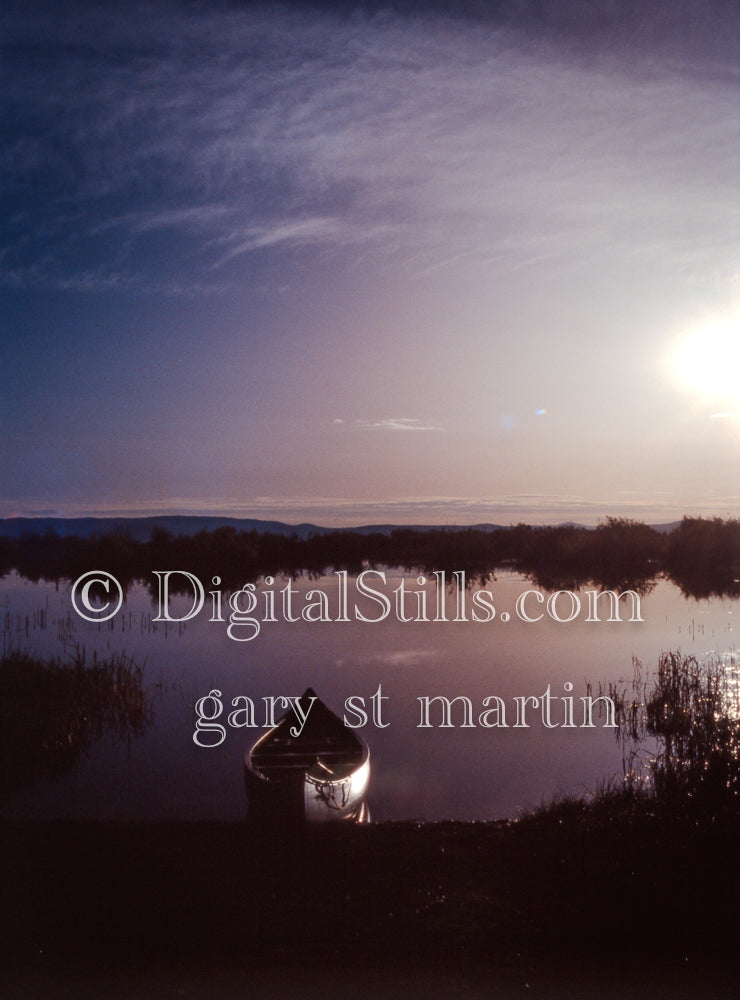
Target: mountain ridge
<point>141,528</point>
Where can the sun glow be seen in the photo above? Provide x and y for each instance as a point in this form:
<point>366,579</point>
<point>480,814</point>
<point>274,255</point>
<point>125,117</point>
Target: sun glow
<point>706,361</point>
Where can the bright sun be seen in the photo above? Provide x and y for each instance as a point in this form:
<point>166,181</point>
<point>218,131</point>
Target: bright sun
<point>706,361</point>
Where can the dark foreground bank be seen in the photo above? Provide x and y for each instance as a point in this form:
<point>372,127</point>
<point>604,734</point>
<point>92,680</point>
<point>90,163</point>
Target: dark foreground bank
<point>550,907</point>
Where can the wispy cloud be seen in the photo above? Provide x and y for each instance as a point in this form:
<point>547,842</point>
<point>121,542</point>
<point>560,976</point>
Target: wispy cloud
<point>428,141</point>
<point>397,424</point>
<point>192,217</point>
<point>293,232</point>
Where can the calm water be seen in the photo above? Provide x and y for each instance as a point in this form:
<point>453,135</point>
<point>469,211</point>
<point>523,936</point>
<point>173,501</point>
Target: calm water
<point>428,773</point>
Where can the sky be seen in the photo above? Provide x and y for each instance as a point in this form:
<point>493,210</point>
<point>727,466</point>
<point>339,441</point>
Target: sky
<point>409,262</point>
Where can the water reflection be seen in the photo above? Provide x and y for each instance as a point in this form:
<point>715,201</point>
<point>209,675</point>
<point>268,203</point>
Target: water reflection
<point>429,773</point>
<point>701,555</point>
<point>688,712</point>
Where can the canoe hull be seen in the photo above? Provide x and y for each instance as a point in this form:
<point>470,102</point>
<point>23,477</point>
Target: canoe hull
<point>313,772</point>
<point>327,801</point>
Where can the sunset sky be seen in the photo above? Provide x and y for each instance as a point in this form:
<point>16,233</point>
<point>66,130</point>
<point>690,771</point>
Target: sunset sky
<point>409,261</point>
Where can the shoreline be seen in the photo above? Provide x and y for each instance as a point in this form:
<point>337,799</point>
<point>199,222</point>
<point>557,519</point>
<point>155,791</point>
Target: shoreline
<point>158,908</point>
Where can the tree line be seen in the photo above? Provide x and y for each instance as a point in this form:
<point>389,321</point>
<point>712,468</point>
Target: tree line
<point>700,555</point>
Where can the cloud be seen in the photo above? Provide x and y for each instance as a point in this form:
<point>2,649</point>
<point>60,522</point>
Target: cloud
<point>397,424</point>
<point>428,141</point>
<point>196,217</point>
<point>293,232</point>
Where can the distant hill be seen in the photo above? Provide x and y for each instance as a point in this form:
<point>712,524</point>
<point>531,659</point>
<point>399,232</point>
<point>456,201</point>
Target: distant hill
<point>139,529</point>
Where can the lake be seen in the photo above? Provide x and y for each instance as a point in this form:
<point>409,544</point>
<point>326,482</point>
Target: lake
<point>477,771</point>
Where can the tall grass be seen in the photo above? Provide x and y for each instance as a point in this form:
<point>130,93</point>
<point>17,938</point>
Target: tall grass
<point>679,728</point>
<point>52,711</point>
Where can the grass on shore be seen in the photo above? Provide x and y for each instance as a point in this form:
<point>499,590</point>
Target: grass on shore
<point>52,711</point>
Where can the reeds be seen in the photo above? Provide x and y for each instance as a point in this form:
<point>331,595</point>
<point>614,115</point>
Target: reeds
<point>52,711</point>
<point>679,728</point>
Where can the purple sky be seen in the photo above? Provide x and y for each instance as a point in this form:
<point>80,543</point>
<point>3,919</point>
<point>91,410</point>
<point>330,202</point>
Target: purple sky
<point>408,262</point>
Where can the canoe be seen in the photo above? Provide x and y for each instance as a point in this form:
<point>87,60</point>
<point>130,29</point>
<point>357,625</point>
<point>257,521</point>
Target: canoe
<point>309,768</point>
